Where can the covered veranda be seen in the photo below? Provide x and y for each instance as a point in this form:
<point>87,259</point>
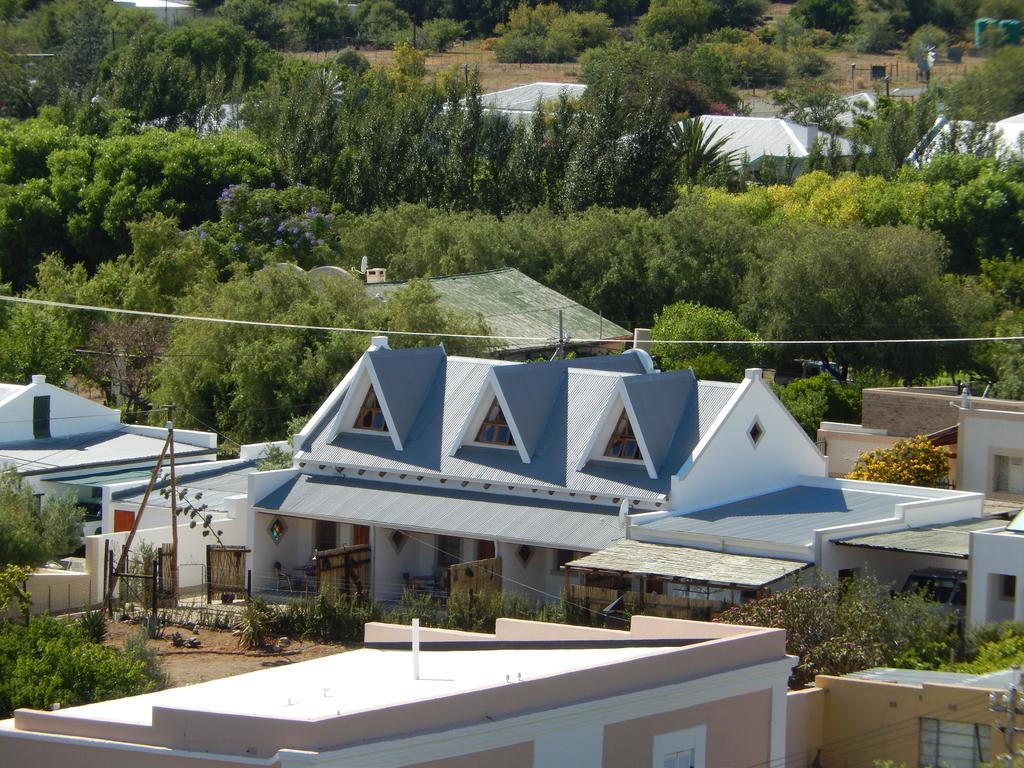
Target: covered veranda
<point>671,581</point>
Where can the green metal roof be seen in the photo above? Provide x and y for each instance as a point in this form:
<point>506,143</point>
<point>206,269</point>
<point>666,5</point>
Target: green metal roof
<point>513,304</point>
<point>952,540</point>
<point>106,478</point>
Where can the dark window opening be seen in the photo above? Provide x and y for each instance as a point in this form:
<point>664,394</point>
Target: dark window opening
<point>449,550</point>
<point>494,428</point>
<point>622,444</point>
<point>41,417</point>
<point>371,416</point>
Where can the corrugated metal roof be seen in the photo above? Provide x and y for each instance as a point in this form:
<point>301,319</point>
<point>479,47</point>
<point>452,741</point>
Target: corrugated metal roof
<point>214,480</point>
<point>566,416</point>
<point>513,304</point>
<point>88,450</point>
<point>759,137</point>
<point>687,564</point>
<point>524,98</point>
<point>952,540</point>
<point>472,515</point>
<point>789,516</point>
<point>919,677</point>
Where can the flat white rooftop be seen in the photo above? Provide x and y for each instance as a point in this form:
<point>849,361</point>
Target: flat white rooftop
<point>358,681</point>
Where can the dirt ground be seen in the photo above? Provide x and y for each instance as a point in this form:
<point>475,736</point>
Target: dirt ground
<point>494,75</point>
<point>219,655</point>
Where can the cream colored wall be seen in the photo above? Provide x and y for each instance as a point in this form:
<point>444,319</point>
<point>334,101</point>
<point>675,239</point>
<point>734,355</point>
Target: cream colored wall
<point>738,730</point>
<point>865,721</point>
<point>842,449</point>
<point>982,435</point>
<point>59,592</point>
<point>805,723</point>
<point>44,754</point>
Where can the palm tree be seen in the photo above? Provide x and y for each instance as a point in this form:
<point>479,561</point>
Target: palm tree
<point>701,154</point>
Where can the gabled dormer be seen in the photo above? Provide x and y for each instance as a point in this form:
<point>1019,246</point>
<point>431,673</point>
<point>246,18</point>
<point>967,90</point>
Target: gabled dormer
<point>388,391</point>
<point>650,421</point>
<point>490,423</point>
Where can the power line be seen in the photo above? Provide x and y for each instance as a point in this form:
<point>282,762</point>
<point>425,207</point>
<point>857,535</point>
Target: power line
<point>262,324</point>
<point>492,337</point>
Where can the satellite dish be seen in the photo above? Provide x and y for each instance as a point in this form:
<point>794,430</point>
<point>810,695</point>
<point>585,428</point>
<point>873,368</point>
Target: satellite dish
<point>363,264</point>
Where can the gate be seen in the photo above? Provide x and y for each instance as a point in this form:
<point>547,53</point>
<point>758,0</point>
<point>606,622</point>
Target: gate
<point>344,569</point>
<point>225,571</point>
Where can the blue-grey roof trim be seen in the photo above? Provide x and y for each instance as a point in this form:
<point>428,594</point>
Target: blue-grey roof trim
<point>558,405</point>
<point>406,381</point>
<point>216,483</point>
<point>666,408</point>
<point>472,515</point>
<point>786,517</point>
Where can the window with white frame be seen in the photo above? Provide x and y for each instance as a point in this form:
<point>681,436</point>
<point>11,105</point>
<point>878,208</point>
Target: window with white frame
<point>948,744</point>
<point>680,749</point>
<point>1009,474</point>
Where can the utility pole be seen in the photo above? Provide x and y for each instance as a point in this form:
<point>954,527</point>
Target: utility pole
<point>1011,704</point>
<point>562,339</point>
<point>174,505</point>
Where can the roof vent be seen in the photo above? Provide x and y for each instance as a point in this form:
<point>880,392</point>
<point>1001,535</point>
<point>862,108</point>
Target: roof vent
<point>39,379</point>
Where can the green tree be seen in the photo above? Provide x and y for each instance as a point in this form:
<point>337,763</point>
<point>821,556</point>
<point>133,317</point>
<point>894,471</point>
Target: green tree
<point>703,154</point>
<point>678,21</point>
<point>36,340</point>
<point>858,283</point>
<point>32,532</point>
<point>832,15</point>
<point>914,461</point>
<point>53,661</point>
<point>684,321</point>
<point>821,398</point>
<point>839,627</point>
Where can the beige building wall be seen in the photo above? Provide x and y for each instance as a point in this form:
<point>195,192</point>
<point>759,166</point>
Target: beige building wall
<point>515,756</point>
<point>629,743</point>
<point>805,726</point>
<point>984,434</point>
<point>865,721</point>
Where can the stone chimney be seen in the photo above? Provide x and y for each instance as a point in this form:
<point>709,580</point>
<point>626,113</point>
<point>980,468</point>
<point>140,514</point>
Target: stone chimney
<point>376,275</point>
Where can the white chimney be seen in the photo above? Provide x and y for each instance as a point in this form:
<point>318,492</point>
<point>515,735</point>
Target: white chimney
<point>965,398</point>
<point>376,275</point>
<point>753,374</point>
<point>381,342</point>
<point>39,379</point>
<point>642,339</point>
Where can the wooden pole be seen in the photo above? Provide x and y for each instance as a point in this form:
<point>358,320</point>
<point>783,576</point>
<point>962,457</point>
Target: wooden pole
<point>174,507</point>
<point>123,559</point>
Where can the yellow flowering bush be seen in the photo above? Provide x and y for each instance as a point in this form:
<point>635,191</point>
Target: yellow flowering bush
<point>914,461</point>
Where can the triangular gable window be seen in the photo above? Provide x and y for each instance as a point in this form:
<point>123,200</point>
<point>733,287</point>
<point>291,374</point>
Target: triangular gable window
<point>494,428</point>
<point>622,444</point>
<point>370,415</point>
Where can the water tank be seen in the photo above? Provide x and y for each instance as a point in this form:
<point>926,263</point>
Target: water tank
<point>980,25</point>
<point>1011,31</point>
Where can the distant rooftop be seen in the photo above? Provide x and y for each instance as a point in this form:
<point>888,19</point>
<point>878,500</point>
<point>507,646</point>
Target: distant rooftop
<point>525,98</point>
<point>952,540</point>
<point>996,681</point>
<point>93,449</point>
<point>513,304</point>
<point>760,137</point>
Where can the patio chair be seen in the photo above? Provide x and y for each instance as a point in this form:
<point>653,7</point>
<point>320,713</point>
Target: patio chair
<point>282,577</point>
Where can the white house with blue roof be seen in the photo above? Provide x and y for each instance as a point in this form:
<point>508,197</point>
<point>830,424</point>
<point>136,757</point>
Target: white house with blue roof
<point>62,442</point>
<point>424,460</point>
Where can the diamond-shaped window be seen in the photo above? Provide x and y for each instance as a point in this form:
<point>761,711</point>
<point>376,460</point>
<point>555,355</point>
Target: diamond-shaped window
<point>756,432</point>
